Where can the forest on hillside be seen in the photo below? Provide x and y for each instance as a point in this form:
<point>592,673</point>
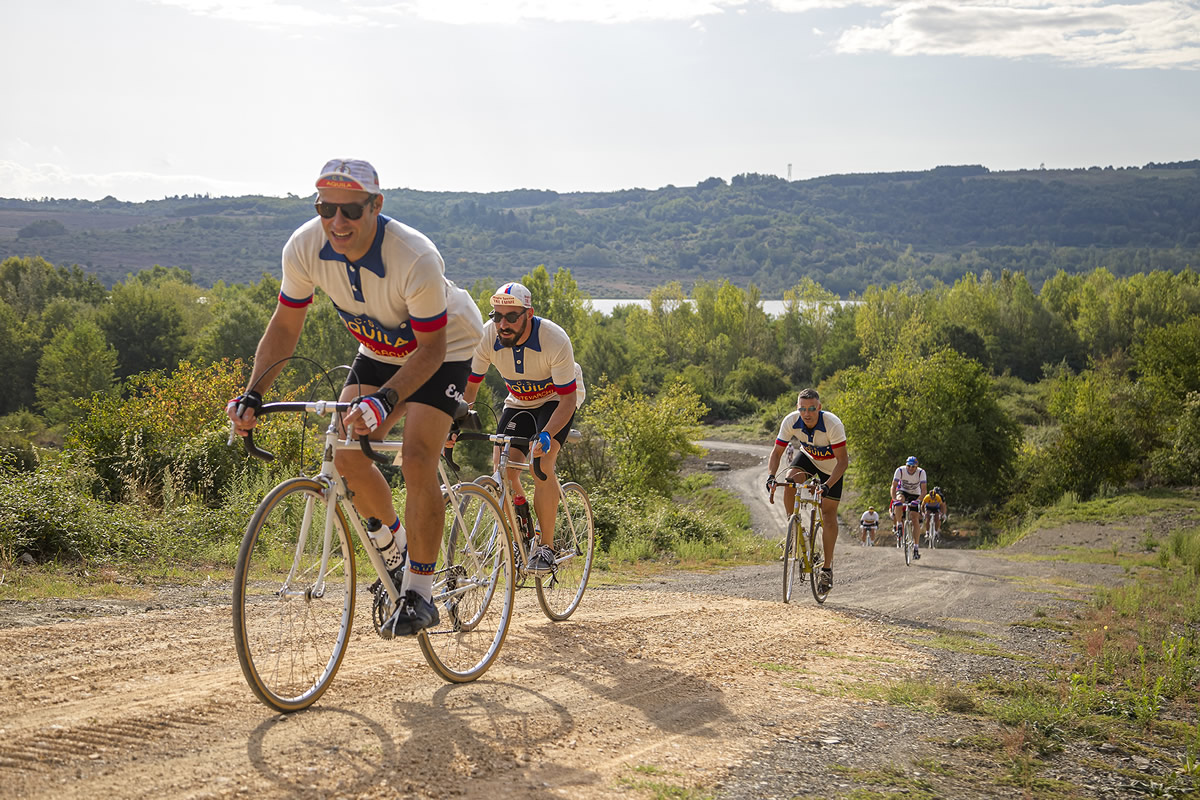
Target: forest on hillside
<point>1015,395</point>
<point>846,232</point>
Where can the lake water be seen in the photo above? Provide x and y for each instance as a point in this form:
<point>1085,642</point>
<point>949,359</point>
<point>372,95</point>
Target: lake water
<point>773,308</point>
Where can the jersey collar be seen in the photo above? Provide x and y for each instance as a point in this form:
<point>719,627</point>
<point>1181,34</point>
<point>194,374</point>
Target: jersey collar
<point>534,342</point>
<point>372,262</point>
<point>820,426</point>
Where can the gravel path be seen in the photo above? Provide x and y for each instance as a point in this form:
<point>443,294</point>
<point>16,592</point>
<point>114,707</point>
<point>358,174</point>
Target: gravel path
<point>700,683</point>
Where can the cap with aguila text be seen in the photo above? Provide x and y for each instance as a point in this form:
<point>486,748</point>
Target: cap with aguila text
<point>349,173</point>
<point>513,294</point>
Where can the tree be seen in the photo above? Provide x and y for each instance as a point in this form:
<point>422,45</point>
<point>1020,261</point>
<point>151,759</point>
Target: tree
<point>20,348</point>
<point>559,299</point>
<point>1096,436</point>
<point>76,364</point>
<point>757,379</point>
<point>805,328</point>
<point>29,284</point>
<point>881,315</point>
<point>42,227</point>
<point>941,408</point>
<point>233,333</point>
<point>145,326</point>
<point>645,438</point>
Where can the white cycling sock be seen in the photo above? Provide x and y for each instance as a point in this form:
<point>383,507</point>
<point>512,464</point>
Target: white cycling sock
<point>419,581</point>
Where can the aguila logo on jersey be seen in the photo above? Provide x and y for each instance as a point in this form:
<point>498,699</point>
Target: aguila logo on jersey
<point>818,452</point>
<point>530,390</point>
<point>398,341</point>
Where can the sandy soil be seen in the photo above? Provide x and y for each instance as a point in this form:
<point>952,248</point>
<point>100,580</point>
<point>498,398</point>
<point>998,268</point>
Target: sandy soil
<point>704,681</point>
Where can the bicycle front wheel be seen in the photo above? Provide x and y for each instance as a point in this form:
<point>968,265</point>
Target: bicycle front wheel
<point>792,558</point>
<point>293,595</point>
<point>559,592</point>
<point>472,587</point>
<point>908,541</point>
<point>816,547</point>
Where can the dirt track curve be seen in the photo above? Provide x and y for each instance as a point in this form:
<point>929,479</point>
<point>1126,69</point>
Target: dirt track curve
<point>702,681</point>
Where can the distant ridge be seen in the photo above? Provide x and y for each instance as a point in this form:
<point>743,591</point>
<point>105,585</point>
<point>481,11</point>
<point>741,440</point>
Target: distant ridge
<point>843,231</point>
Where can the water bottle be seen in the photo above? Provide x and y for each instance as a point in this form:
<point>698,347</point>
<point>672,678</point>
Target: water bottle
<point>524,520</point>
<point>386,544</point>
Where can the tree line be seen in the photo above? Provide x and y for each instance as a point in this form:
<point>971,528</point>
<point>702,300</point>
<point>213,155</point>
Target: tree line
<point>1011,396</point>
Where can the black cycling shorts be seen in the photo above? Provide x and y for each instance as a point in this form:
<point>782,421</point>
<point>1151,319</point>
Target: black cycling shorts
<point>803,462</point>
<point>529,422</point>
<point>443,390</point>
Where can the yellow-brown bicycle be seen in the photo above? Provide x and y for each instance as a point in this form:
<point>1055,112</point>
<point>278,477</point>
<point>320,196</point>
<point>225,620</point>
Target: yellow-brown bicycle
<point>802,546</point>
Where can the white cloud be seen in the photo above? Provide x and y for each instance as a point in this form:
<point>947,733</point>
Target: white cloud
<point>1153,33</point>
<point>21,180</point>
<point>599,11</point>
<point>1160,33</point>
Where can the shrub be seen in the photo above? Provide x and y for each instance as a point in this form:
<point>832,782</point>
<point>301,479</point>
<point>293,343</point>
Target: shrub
<point>646,439</point>
<point>167,441</point>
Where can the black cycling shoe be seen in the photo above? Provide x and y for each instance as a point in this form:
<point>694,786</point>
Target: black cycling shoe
<point>414,614</point>
<point>825,580</point>
<point>916,554</point>
<point>542,561</point>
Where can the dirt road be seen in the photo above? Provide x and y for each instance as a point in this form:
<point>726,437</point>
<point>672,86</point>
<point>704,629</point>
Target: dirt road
<point>697,682</point>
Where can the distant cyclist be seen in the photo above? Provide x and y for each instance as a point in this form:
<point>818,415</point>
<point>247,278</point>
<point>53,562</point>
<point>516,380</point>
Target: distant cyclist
<point>933,507</point>
<point>868,525</point>
<point>909,481</point>
<point>820,440</point>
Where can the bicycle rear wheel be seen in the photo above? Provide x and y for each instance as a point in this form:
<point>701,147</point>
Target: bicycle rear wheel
<point>908,541</point>
<point>793,559</point>
<point>293,595</point>
<point>559,592</point>
<point>472,588</point>
<point>816,547</point>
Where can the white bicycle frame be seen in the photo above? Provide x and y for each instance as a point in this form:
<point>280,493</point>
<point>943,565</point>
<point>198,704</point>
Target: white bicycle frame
<point>329,476</point>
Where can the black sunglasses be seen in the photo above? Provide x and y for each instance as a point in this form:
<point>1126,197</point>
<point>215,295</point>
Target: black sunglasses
<point>511,317</point>
<point>349,210</point>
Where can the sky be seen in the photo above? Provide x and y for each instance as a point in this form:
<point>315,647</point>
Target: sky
<point>145,99</point>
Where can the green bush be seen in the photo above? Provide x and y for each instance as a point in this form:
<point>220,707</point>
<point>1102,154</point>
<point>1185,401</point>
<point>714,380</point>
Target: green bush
<point>166,443</point>
<point>645,439</point>
<point>50,511</point>
<point>630,528</point>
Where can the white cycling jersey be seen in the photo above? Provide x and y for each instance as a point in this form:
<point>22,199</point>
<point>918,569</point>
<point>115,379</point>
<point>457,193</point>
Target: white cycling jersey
<point>535,372</point>
<point>397,288</point>
<point>909,482</point>
<point>869,518</point>
<point>819,441</point>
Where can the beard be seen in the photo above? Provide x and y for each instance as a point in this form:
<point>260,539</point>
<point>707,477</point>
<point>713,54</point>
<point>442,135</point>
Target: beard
<point>513,336</point>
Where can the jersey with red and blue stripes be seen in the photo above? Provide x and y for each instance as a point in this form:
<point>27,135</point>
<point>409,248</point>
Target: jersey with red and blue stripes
<point>536,371</point>
<point>394,292</point>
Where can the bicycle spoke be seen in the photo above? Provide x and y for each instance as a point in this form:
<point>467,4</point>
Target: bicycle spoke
<point>293,597</point>
<point>473,588</point>
<point>560,593</point>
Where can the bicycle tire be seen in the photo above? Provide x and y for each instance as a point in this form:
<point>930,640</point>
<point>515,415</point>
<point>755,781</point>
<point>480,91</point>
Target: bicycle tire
<point>472,588</point>
<point>291,615</point>
<point>816,548</point>
<point>560,592</point>
<point>935,536</point>
<point>792,565</point>
<point>908,542</point>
